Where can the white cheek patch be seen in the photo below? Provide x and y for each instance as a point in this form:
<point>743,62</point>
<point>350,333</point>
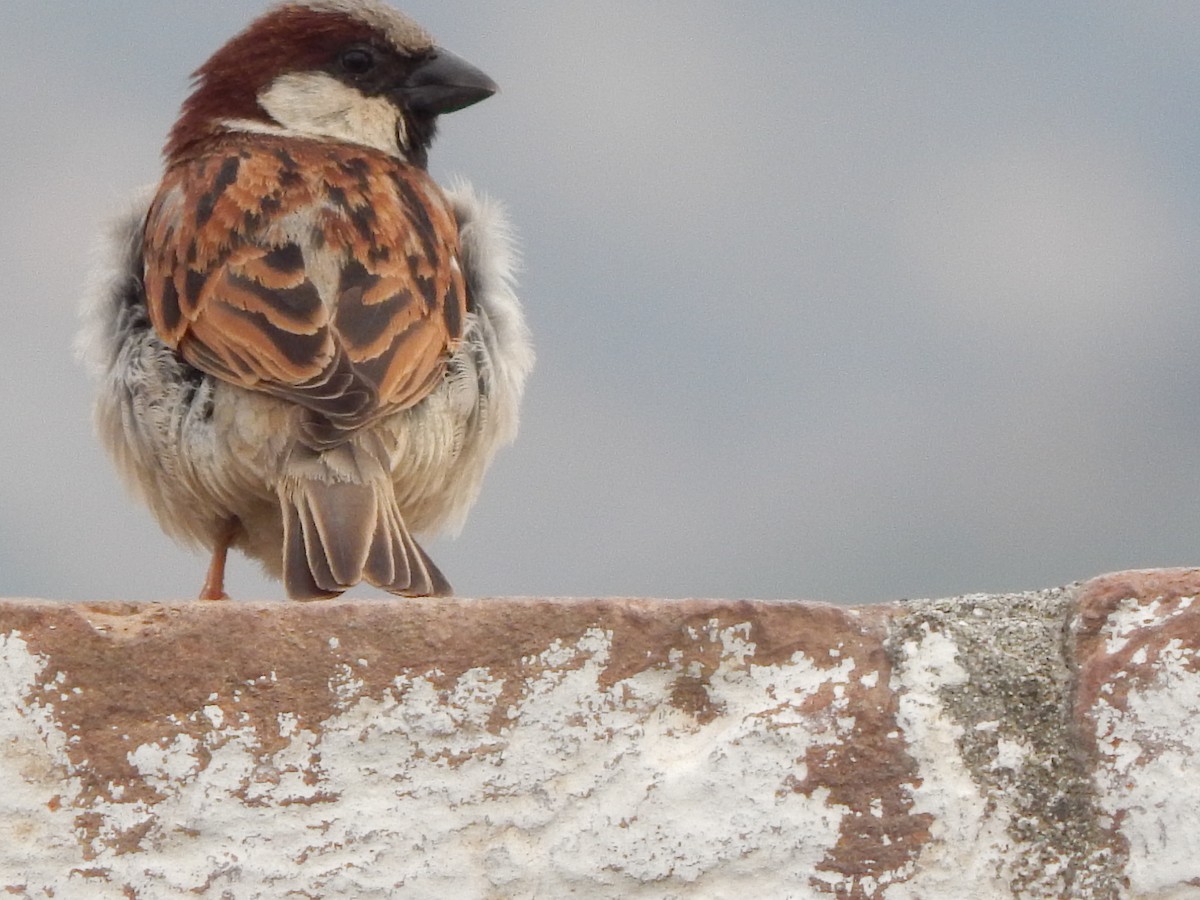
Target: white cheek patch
<point>402,134</point>
<point>317,105</point>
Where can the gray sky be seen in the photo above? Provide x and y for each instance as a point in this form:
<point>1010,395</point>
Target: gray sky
<point>844,301</point>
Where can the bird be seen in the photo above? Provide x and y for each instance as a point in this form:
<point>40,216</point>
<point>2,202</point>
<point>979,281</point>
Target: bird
<point>305,348</point>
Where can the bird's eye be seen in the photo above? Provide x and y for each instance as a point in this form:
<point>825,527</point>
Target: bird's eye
<point>357,61</point>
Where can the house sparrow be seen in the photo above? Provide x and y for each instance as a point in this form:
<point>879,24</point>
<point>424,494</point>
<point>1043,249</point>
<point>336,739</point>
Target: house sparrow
<point>307,349</point>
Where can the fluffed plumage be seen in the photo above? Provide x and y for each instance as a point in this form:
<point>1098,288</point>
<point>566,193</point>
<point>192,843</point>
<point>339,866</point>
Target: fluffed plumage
<point>306,348</point>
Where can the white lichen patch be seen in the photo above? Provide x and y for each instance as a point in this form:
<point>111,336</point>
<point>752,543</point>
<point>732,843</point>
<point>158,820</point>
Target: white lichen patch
<point>1150,781</point>
<point>164,765</point>
<point>1133,614</point>
<point>474,786</point>
<point>969,843</point>
<point>37,785</point>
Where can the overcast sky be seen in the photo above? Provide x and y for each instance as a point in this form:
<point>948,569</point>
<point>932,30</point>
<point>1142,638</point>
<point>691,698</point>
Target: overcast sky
<point>842,301</point>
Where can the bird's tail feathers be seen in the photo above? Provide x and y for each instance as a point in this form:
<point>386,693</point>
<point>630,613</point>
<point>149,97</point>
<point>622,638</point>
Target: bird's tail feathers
<point>341,526</point>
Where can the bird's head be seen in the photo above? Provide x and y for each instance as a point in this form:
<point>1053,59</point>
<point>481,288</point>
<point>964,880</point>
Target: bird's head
<point>352,71</point>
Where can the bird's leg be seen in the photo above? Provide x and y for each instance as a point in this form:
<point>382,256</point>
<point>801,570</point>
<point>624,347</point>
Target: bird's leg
<point>214,582</point>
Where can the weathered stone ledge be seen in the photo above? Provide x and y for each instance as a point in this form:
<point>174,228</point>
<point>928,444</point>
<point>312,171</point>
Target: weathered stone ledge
<point>1028,745</point>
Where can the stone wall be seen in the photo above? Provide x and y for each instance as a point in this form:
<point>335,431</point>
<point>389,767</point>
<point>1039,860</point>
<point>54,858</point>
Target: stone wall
<point>1027,745</point>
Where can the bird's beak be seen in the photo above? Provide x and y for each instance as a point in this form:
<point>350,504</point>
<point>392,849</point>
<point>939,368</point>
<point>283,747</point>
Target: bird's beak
<point>445,83</point>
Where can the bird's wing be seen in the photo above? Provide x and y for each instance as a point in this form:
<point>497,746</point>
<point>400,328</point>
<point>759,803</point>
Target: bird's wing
<point>322,274</point>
